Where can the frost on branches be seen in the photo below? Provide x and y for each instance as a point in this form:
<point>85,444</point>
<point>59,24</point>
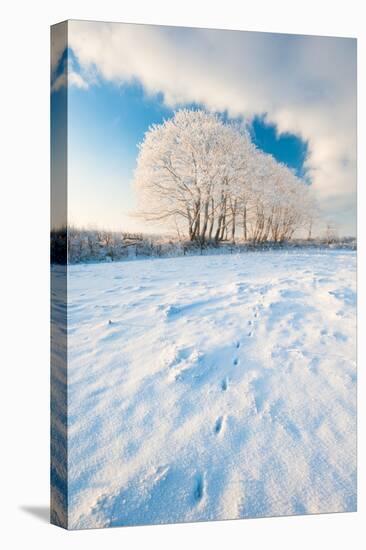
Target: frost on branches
<point>207,180</point>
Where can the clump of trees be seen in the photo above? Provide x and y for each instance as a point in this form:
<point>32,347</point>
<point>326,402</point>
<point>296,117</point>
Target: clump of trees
<point>99,245</point>
<point>96,245</point>
<point>205,177</point>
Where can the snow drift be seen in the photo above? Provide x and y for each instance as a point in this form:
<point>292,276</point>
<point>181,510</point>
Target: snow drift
<point>212,387</point>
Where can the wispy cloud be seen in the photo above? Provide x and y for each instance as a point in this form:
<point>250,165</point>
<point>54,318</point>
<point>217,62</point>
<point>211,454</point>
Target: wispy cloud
<point>64,73</point>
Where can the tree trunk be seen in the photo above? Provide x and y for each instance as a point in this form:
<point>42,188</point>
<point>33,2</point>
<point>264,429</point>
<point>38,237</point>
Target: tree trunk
<point>212,220</point>
<point>310,230</point>
<point>190,224</point>
<point>221,221</point>
<point>223,227</point>
<point>205,222</point>
<point>245,233</point>
<point>267,229</point>
<point>196,223</point>
<point>218,230</point>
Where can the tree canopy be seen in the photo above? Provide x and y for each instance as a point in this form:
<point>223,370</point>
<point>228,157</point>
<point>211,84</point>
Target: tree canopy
<point>206,177</point>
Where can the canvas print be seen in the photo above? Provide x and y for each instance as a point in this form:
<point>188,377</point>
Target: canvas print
<point>203,250</point>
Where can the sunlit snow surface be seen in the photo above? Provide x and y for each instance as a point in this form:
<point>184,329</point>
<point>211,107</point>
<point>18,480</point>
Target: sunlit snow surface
<point>212,387</point>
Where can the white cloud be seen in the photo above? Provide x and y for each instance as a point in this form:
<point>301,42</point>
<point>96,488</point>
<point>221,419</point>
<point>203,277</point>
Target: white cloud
<point>306,85</point>
<point>73,79</point>
<point>59,82</point>
<point>67,76</point>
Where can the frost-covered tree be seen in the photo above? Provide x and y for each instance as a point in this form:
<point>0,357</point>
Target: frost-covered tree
<point>206,178</point>
<point>187,169</point>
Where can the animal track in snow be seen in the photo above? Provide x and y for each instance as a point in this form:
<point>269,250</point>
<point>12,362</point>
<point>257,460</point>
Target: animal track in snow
<point>199,488</point>
<point>339,336</point>
<point>224,384</point>
<point>218,424</point>
<point>235,361</point>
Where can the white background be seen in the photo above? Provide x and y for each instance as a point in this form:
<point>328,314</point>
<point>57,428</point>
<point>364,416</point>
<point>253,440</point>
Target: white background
<point>24,287</point>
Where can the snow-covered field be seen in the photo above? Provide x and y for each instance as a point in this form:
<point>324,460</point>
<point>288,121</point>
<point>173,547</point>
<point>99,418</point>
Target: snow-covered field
<point>212,387</point>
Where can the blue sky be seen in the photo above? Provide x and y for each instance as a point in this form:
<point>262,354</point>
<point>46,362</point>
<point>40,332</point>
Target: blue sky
<point>106,123</point>
<point>287,148</point>
<point>298,91</point>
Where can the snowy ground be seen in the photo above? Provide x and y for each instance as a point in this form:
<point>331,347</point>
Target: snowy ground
<point>212,387</point>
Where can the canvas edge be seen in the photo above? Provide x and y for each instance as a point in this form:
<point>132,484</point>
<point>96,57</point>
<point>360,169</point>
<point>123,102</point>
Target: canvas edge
<point>58,277</point>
